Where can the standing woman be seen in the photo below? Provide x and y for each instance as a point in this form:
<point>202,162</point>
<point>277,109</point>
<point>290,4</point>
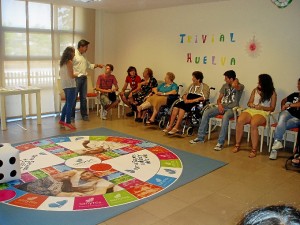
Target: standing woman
<point>68,84</point>
<point>262,101</point>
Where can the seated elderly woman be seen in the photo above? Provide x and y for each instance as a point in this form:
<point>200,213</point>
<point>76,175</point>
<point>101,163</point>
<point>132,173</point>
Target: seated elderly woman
<point>262,101</point>
<point>194,94</point>
<point>144,89</point>
<point>159,96</point>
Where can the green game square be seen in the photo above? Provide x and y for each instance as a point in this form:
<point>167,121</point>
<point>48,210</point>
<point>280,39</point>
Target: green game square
<point>3,186</point>
<point>176,163</point>
<point>68,156</point>
<point>48,146</point>
<point>39,174</point>
<point>119,198</point>
<point>111,154</point>
<point>122,179</point>
<point>98,138</point>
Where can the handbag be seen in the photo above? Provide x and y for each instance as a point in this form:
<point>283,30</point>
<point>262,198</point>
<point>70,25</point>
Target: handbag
<point>112,96</point>
<point>192,96</point>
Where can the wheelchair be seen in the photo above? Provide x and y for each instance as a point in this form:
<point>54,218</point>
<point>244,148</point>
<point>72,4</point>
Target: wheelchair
<point>164,112</point>
<point>192,119</point>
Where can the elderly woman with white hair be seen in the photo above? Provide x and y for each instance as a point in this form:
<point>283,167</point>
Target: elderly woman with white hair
<point>159,96</point>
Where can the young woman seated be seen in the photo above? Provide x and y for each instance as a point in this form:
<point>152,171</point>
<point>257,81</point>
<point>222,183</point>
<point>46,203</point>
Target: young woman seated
<point>262,101</point>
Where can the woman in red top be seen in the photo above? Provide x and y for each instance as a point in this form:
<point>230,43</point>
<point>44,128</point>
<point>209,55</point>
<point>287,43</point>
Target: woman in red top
<point>133,80</point>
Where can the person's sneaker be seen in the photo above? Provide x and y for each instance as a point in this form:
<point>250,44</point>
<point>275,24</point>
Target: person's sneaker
<point>69,126</point>
<point>130,114</point>
<point>277,145</point>
<point>196,140</point>
<point>273,155</point>
<point>218,147</point>
<point>85,118</point>
<point>62,124</point>
<point>104,114</point>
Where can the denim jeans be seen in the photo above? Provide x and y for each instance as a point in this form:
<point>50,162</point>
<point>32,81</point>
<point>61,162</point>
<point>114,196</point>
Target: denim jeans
<point>212,112</point>
<point>81,83</point>
<point>66,112</point>
<point>285,122</point>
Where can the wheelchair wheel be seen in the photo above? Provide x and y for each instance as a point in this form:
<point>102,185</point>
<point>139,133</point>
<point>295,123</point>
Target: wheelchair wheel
<point>190,131</point>
<point>146,118</point>
<point>161,123</point>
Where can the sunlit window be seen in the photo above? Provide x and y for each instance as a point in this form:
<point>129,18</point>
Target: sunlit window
<point>40,45</point>
<point>39,15</point>
<point>34,37</point>
<point>11,8</point>
<point>65,18</point>
<point>15,44</point>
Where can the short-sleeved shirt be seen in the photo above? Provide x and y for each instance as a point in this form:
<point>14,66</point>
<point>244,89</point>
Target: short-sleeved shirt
<point>167,88</point>
<point>294,98</point>
<point>201,90</point>
<point>231,96</point>
<point>146,89</point>
<point>133,81</point>
<point>106,82</point>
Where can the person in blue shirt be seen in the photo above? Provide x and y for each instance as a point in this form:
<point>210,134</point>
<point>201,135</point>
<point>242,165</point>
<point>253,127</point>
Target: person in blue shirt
<point>159,96</point>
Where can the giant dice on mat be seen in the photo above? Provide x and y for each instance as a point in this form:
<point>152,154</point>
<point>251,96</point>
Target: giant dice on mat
<point>9,163</point>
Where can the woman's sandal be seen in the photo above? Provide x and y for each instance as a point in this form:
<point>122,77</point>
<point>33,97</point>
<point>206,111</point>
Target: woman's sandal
<point>236,149</point>
<point>252,153</point>
<point>173,131</point>
<point>150,122</point>
<point>167,129</point>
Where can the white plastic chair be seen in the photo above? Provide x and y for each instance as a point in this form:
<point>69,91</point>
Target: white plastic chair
<point>217,121</point>
<point>293,131</point>
<point>92,95</point>
<point>262,129</point>
<point>100,107</point>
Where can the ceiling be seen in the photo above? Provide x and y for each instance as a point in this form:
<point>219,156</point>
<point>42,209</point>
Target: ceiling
<point>121,6</point>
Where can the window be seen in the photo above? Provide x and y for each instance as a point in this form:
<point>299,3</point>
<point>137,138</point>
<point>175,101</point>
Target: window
<point>32,45</point>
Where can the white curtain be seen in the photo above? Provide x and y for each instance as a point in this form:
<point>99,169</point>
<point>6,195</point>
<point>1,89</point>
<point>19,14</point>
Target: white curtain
<point>33,37</point>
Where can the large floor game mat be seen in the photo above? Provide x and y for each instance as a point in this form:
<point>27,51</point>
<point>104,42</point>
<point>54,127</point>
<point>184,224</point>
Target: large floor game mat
<point>99,171</point>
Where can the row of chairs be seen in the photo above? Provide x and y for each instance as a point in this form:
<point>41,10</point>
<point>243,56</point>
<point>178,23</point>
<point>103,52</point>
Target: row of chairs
<point>268,128</point>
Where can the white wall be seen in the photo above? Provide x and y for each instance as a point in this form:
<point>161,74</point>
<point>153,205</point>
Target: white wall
<point>151,39</point>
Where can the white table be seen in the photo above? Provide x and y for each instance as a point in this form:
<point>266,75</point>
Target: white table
<point>20,91</point>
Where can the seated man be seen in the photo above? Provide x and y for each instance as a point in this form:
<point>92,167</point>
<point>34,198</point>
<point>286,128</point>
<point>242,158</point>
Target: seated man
<point>108,97</point>
<point>289,118</point>
<point>229,97</point>
<point>133,80</point>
